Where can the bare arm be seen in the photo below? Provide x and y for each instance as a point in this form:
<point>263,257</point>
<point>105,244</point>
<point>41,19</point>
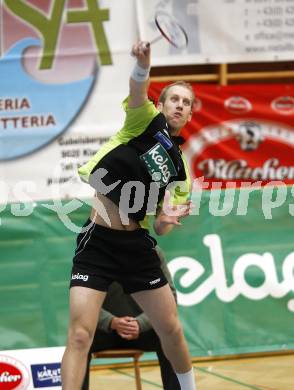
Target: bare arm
<point>139,83</point>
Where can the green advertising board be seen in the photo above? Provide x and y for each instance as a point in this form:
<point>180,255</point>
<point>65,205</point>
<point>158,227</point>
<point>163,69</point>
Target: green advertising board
<point>234,273</point>
<point>233,268</point>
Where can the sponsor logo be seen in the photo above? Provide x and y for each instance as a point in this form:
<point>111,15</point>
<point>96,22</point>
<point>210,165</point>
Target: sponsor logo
<point>158,160</point>
<point>238,105</point>
<point>80,277</point>
<point>283,105</point>
<point>264,152</point>
<point>13,374</point>
<point>165,141</point>
<point>156,176</point>
<point>249,135</point>
<point>240,169</point>
<point>20,119</point>
<point>154,281</point>
<point>217,282</point>
<point>46,375</point>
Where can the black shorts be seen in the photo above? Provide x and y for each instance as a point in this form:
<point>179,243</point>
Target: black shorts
<point>104,255</point>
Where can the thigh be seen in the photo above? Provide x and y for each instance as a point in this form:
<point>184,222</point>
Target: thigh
<point>85,304</point>
<point>159,305</point>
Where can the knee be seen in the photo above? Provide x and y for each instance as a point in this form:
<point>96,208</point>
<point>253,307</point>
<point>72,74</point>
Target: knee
<point>172,328</point>
<point>80,338</point>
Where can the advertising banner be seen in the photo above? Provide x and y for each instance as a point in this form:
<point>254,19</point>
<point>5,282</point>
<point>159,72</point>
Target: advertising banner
<point>218,31</point>
<point>36,368</point>
<point>232,267</point>
<point>233,272</point>
<point>240,134</point>
<point>62,88</point>
<point>64,71</point>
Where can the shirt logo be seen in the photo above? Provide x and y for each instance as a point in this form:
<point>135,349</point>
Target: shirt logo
<point>164,140</point>
<point>158,161</point>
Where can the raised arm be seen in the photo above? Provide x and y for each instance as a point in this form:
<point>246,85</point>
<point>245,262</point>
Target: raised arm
<point>139,79</point>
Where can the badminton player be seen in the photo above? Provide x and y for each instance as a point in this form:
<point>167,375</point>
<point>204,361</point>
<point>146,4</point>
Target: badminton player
<point>140,170</point>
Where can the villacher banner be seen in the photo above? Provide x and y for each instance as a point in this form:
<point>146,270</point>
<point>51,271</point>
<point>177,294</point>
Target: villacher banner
<point>240,134</point>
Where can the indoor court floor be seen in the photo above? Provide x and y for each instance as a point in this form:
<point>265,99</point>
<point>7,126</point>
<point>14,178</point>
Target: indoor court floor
<point>256,373</point>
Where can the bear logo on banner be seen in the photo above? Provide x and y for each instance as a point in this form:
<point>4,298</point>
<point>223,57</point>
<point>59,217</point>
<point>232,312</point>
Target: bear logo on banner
<point>249,135</point>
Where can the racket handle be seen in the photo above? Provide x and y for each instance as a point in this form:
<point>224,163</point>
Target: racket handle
<point>146,46</point>
<point>158,38</point>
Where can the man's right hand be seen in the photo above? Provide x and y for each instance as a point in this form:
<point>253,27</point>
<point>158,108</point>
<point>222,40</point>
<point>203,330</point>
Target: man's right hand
<point>141,50</point>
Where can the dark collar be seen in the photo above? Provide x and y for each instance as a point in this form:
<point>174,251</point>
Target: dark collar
<point>178,139</point>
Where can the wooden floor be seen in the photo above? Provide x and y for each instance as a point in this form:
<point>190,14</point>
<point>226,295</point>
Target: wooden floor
<point>262,373</point>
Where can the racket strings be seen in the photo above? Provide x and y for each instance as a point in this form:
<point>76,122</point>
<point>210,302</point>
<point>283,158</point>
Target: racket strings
<point>171,30</point>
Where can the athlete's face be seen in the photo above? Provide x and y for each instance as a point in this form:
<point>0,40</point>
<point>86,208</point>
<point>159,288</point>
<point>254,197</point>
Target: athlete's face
<point>177,107</point>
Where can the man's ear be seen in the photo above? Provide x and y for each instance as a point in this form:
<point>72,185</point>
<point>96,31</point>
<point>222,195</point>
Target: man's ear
<point>159,106</point>
<point>190,116</point>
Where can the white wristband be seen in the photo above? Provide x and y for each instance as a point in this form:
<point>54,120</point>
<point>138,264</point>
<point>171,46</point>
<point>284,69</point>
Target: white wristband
<point>140,74</point>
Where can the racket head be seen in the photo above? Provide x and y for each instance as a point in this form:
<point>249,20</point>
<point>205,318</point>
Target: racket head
<point>171,30</point>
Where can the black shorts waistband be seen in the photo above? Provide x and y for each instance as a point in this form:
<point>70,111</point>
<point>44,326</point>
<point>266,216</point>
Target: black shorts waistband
<point>116,233</point>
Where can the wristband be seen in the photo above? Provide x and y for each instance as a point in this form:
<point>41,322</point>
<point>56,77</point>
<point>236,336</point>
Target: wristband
<point>140,74</point>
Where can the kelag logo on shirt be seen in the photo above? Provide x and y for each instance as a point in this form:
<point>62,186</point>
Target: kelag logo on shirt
<point>159,164</point>
<point>46,375</point>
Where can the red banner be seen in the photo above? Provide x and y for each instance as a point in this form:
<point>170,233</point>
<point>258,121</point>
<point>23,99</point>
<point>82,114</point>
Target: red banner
<point>240,133</point>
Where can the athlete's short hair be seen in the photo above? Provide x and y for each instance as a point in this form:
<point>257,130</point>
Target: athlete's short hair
<point>164,91</point>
